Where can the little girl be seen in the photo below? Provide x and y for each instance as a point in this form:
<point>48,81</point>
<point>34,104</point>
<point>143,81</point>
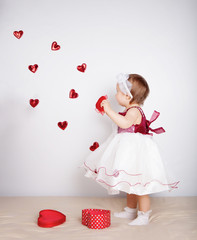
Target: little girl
<point>129,160</point>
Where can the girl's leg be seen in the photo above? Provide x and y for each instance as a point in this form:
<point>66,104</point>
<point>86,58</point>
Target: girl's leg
<point>130,211</point>
<point>132,200</point>
<point>144,203</point>
<point>144,211</point>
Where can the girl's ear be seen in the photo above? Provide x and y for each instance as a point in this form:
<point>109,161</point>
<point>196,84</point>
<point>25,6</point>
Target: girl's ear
<point>128,97</point>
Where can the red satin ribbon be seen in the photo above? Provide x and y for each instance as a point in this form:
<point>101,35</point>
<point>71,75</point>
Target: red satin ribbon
<point>159,130</point>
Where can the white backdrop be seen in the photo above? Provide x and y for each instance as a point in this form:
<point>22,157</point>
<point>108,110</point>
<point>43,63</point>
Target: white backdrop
<point>156,39</point>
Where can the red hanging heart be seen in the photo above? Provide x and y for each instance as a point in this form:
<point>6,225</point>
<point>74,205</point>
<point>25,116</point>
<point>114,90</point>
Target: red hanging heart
<point>82,67</point>
<point>50,218</point>
<point>62,125</point>
<point>33,102</point>
<point>54,46</point>
<point>33,68</point>
<point>18,34</point>
<point>94,146</point>
<point>73,94</point>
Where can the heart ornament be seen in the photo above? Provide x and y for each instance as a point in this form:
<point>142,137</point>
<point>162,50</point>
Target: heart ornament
<point>33,68</point>
<point>73,94</point>
<point>94,146</point>
<point>98,108</point>
<point>82,67</point>
<point>62,125</point>
<point>18,34</point>
<point>54,46</point>
<point>34,102</point>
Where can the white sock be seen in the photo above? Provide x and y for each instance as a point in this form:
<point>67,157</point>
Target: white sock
<point>130,210</point>
<point>130,213</point>
<point>142,218</point>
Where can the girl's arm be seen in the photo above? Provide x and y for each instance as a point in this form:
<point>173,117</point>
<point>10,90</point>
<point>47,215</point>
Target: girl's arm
<point>122,121</point>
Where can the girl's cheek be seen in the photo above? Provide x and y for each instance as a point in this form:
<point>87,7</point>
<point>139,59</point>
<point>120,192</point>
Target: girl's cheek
<point>117,96</point>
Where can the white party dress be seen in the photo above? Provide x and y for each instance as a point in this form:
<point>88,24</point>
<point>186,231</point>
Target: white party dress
<point>129,161</point>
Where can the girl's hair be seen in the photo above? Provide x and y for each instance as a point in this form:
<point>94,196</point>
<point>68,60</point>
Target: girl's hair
<point>140,89</point>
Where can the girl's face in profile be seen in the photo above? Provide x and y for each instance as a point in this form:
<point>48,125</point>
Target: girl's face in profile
<point>120,96</point>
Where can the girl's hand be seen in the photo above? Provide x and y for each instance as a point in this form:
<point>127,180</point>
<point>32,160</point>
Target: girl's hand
<point>106,105</point>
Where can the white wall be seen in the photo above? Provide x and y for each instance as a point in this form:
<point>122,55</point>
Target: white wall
<point>156,39</point>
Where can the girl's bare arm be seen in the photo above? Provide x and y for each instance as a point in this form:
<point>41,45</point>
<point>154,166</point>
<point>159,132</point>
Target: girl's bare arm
<point>122,121</point>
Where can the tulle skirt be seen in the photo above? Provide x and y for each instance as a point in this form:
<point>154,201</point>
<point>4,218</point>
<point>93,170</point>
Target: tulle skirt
<point>128,162</point>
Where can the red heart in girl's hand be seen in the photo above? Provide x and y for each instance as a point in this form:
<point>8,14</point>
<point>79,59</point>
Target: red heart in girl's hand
<point>73,94</point>
<point>54,46</point>
<point>33,102</point>
<point>82,67</point>
<point>18,34</point>
<point>62,125</point>
<point>50,218</point>
<point>94,146</point>
<point>100,109</point>
<point>33,68</point>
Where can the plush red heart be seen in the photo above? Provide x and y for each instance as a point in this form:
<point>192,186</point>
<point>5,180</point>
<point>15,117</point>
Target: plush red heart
<point>62,125</point>
<point>82,67</point>
<point>33,102</point>
<point>33,68</point>
<point>94,146</point>
<point>18,34</point>
<point>54,46</point>
<point>73,94</point>
<point>50,218</point>
<point>98,104</point>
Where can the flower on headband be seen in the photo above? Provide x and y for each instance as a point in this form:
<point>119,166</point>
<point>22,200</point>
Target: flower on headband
<point>124,85</point>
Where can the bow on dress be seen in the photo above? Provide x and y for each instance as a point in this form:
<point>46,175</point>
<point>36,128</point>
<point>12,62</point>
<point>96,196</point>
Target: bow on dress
<point>159,130</point>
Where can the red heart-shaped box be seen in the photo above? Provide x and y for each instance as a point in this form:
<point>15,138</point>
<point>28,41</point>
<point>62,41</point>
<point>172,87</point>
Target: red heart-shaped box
<point>50,218</point>
<point>100,109</point>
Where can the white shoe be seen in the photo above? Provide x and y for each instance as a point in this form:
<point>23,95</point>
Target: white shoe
<point>142,218</point>
<point>130,213</point>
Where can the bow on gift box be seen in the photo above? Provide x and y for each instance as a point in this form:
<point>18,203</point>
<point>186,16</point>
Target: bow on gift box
<point>96,218</point>
<point>154,116</point>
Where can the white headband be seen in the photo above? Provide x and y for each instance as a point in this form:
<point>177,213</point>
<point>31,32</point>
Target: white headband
<point>124,85</point>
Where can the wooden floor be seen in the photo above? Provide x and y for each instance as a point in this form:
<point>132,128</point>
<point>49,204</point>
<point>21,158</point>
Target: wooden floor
<point>172,218</point>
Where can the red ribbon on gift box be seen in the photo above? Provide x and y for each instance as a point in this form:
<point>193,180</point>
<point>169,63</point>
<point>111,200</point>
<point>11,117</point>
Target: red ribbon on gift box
<point>96,218</point>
